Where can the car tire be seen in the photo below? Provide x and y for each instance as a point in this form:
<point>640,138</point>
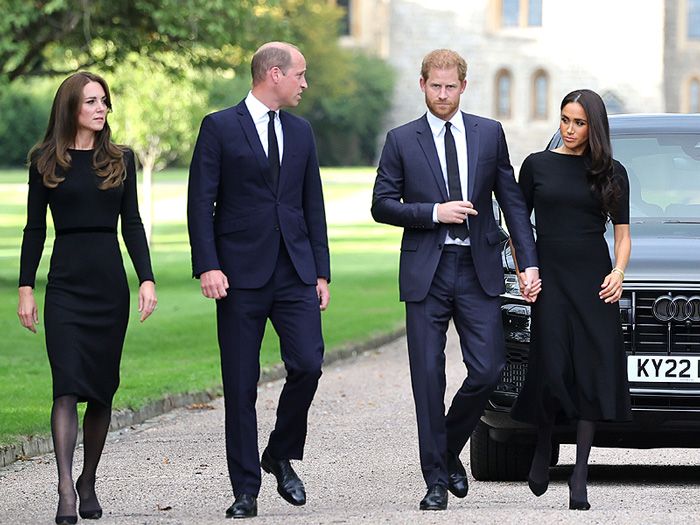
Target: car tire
<point>492,460</point>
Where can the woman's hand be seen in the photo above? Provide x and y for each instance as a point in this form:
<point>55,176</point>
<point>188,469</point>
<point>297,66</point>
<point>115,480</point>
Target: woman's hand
<point>147,299</point>
<point>612,287</point>
<point>27,311</point>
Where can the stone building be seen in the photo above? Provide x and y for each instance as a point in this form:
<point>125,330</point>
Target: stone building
<point>525,55</point>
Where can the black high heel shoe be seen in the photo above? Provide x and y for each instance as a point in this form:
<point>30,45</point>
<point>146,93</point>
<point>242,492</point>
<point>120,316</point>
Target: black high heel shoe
<point>576,504</point>
<point>92,514</point>
<point>537,487</point>
<point>66,520</point>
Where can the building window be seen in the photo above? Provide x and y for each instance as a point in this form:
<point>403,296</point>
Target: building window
<point>694,96</point>
<point>510,14</point>
<point>504,91</point>
<point>693,19</point>
<point>521,13</point>
<point>344,22</point>
<point>534,13</point>
<point>540,95</point>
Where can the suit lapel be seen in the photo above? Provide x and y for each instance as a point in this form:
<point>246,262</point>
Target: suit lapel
<point>246,121</point>
<point>427,144</point>
<point>472,133</point>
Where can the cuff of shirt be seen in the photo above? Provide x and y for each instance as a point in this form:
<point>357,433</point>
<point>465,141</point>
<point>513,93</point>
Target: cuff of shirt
<point>435,217</point>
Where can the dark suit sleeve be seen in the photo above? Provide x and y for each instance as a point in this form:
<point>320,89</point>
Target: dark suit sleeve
<point>315,213</point>
<point>132,228</point>
<point>203,186</point>
<point>388,204</point>
<point>35,230</point>
<point>511,200</point>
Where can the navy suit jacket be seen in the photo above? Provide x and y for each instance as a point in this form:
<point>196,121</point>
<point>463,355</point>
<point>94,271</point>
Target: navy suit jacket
<point>236,217</point>
<point>410,181</point>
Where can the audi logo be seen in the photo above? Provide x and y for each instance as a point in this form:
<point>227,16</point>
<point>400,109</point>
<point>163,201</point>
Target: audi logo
<point>680,308</point>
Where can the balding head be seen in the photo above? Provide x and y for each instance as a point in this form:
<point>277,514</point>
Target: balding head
<point>269,55</point>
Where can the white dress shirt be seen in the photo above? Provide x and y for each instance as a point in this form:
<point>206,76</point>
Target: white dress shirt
<point>258,111</point>
<point>437,127</point>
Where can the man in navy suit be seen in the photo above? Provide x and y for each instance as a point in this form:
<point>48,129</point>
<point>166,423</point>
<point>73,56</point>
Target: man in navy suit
<point>435,179</point>
<point>259,243</point>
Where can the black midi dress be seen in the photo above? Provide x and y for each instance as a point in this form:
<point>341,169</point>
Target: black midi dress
<point>577,366</point>
<point>86,308</point>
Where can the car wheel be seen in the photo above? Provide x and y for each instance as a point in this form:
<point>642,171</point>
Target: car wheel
<point>495,461</point>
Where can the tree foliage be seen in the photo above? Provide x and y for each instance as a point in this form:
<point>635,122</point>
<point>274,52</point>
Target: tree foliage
<point>46,37</point>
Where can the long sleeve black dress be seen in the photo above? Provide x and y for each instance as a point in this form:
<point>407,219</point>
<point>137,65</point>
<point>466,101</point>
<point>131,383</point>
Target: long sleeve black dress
<point>577,365</point>
<point>86,308</point>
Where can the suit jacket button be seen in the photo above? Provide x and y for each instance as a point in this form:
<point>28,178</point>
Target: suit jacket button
<point>439,246</point>
<point>277,228</point>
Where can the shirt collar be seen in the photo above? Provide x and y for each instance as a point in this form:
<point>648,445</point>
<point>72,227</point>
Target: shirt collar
<point>257,109</point>
<point>437,125</point>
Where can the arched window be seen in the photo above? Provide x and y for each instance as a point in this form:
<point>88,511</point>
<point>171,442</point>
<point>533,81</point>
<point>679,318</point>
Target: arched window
<point>693,19</point>
<point>694,96</point>
<point>504,94</point>
<point>540,95</point>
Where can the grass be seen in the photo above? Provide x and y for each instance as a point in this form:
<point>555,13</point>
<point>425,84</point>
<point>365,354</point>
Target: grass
<point>175,350</point>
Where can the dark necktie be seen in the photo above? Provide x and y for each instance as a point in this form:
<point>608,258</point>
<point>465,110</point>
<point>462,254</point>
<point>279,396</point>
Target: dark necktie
<point>457,231</point>
<point>273,151</point>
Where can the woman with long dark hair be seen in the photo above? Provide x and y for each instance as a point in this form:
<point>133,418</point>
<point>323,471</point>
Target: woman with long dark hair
<point>89,183</point>
<point>576,369</point>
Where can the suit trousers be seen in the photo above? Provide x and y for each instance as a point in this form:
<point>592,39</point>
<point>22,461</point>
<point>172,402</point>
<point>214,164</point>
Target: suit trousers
<point>293,308</point>
<point>455,293</point>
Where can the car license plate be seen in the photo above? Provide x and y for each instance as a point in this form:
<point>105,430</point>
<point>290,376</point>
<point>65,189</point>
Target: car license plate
<point>663,369</point>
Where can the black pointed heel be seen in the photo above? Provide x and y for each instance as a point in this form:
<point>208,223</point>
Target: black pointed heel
<point>66,520</point>
<point>576,504</point>
<point>536,487</point>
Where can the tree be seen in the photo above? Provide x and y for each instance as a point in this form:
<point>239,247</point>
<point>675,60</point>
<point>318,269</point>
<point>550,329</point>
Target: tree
<point>156,115</point>
<point>47,37</point>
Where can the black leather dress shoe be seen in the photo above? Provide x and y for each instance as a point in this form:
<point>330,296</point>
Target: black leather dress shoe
<point>435,499</point>
<point>289,485</point>
<point>457,476</point>
<point>245,506</point>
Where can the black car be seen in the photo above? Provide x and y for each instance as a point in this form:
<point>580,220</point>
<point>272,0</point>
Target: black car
<point>659,310</point>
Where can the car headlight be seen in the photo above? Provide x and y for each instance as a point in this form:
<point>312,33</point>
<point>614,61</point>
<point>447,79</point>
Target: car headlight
<point>512,285</point>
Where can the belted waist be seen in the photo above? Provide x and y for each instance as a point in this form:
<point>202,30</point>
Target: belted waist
<point>85,229</point>
<point>456,248</point>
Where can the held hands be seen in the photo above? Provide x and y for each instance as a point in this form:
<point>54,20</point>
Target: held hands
<point>214,284</point>
<point>26,310</point>
<point>612,286</point>
<point>455,212</point>
<point>324,295</point>
<point>147,299</point>
<point>530,284</point>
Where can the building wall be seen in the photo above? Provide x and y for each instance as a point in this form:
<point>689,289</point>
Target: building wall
<point>580,44</point>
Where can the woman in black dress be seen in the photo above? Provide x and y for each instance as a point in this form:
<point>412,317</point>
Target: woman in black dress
<point>89,183</point>
<point>577,368</point>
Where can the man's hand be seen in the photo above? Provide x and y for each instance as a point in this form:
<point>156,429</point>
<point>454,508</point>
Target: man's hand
<point>324,295</point>
<point>530,284</point>
<point>455,212</point>
<point>214,284</point>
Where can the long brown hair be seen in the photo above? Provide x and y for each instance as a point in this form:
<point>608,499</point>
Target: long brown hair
<point>52,153</point>
<point>599,149</point>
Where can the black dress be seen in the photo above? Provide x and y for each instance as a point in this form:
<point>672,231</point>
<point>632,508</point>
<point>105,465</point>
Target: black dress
<point>577,365</point>
<point>86,308</point>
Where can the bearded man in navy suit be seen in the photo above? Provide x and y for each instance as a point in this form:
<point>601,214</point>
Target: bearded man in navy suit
<point>259,243</point>
<point>435,179</point>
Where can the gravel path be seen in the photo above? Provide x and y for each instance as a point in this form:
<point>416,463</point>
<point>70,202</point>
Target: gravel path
<point>361,466</point>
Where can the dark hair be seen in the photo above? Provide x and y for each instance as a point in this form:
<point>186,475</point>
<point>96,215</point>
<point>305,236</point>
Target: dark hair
<point>599,149</point>
<point>52,152</point>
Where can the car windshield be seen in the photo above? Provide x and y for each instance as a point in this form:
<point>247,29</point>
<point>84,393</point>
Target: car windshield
<point>664,175</point>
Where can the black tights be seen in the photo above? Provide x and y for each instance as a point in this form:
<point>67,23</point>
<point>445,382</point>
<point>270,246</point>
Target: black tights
<point>539,469</point>
<point>64,429</point>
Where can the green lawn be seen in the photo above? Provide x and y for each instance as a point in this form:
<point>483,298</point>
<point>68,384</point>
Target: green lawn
<point>175,350</point>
